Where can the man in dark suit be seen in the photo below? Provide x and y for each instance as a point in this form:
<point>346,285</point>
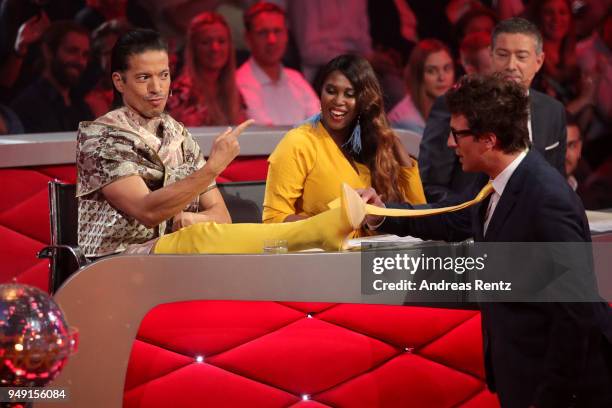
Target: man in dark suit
<point>517,54</point>
<point>537,354</point>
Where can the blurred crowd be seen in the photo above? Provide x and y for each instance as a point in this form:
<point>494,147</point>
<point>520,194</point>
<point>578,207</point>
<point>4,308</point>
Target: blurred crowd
<point>232,60</point>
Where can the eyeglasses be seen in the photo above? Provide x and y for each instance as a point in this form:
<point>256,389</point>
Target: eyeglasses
<point>460,133</point>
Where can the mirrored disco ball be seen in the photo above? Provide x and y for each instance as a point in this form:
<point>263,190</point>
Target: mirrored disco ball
<point>35,341</point>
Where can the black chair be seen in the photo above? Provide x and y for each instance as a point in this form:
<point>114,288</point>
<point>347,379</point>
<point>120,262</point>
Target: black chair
<point>65,257</point>
<point>244,200</point>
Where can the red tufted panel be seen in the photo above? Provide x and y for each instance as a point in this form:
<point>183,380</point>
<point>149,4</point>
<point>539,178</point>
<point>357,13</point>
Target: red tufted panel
<point>24,221</point>
<point>273,354</point>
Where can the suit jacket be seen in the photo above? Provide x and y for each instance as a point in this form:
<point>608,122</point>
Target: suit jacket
<point>535,353</point>
<point>440,169</point>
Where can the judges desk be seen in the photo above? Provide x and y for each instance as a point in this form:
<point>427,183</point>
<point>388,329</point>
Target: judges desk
<point>43,149</point>
<point>107,300</point>
<point>29,161</point>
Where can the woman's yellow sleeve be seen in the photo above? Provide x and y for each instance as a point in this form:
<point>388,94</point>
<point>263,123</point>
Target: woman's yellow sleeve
<point>410,184</point>
<point>288,167</point>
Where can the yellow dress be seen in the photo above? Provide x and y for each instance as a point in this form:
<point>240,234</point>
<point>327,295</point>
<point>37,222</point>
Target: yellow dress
<point>306,172</point>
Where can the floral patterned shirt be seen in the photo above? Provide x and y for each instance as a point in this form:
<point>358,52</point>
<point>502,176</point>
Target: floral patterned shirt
<point>120,144</point>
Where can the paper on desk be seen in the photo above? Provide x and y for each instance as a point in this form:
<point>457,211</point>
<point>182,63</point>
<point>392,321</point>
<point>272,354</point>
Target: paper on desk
<point>356,242</point>
<point>599,221</point>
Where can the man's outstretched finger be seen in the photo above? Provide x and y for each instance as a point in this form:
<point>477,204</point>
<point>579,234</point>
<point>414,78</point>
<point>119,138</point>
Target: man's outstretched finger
<point>241,127</point>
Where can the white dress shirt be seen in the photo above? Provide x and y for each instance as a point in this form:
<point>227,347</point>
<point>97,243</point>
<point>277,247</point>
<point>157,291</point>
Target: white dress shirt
<point>288,101</point>
<point>499,185</point>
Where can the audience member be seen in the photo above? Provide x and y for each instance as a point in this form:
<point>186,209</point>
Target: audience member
<point>479,19</point>
<point>475,54</point>
<point>348,142</point>
<point>274,94</point>
<point>16,46</point>
<point>598,186</point>
<point>173,17</point>
<point>49,103</point>
<point>324,29</point>
<point>594,56</point>
<point>100,98</point>
<point>9,122</point>
<point>20,66</point>
<point>517,54</point>
<point>13,13</point>
<point>593,187</point>
<point>576,169</point>
<point>97,12</point>
<point>508,8</point>
<point>393,25</point>
<point>206,94</point>
<point>393,28</point>
<point>429,74</point>
<point>560,75</point>
<point>455,9</point>
<point>560,71</point>
<point>432,19</point>
<point>589,15</point>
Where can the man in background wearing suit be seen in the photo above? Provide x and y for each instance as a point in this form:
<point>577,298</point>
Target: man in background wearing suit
<point>517,54</point>
<point>537,354</point>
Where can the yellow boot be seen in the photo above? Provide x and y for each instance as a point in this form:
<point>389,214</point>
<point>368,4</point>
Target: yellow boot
<point>327,230</point>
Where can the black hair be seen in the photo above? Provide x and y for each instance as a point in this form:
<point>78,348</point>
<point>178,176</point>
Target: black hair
<point>518,25</point>
<point>132,43</point>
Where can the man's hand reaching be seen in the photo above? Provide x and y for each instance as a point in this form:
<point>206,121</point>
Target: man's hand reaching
<point>369,196</point>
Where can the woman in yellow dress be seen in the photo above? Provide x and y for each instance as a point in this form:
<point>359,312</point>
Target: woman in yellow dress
<point>349,141</point>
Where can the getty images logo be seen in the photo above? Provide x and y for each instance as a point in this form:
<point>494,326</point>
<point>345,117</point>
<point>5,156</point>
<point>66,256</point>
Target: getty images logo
<point>412,264</point>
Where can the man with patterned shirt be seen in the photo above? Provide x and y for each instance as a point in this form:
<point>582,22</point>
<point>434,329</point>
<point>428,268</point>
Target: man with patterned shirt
<point>140,173</point>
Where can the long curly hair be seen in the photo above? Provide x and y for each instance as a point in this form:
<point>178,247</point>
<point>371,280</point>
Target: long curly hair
<point>378,139</point>
<point>224,107</point>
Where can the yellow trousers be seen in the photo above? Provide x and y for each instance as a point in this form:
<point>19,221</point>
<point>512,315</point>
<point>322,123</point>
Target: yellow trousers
<point>327,230</point>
